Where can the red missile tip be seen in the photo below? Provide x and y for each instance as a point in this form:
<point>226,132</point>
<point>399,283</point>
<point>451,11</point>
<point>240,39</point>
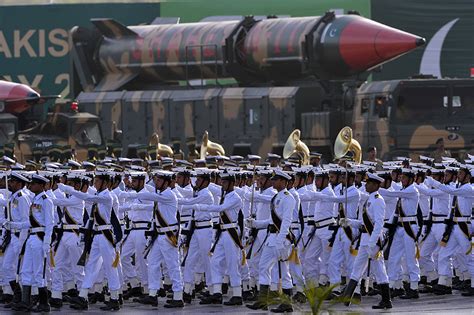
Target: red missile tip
<point>364,44</point>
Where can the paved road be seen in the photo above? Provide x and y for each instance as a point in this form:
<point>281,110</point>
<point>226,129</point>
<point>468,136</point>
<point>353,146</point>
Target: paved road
<point>427,304</point>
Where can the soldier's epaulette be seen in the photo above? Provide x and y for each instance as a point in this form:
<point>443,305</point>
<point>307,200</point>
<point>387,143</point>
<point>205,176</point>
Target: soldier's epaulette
<point>286,193</point>
<point>44,196</point>
<point>19,194</point>
<point>376,195</point>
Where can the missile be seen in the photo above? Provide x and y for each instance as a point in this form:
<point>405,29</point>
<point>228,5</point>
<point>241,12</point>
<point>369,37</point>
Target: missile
<point>329,47</point>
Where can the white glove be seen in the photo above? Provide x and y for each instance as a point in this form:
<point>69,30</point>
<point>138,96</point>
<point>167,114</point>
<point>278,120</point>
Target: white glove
<point>373,250</point>
<point>250,223</point>
<point>46,249</point>
<point>124,195</point>
<point>343,222</point>
<point>61,187</point>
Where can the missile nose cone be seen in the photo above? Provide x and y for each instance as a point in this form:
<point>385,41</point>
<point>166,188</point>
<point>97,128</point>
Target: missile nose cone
<point>365,44</point>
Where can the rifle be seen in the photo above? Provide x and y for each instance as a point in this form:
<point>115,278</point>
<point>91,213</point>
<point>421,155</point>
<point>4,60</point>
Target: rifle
<point>392,228</point>
<point>253,231</point>
<point>449,223</point>
<point>88,238</point>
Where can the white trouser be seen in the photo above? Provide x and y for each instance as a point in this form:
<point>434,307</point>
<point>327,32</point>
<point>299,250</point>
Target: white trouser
<point>458,242</point>
<point>403,245</point>
<point>254,260</point>
<point>317,251</point>
<point>31,272</point>
<point>65,259</point>
<point>226,260</point>
<point>377,266</point>
<point>340,257</point>
<point>429,249</point>
<point>269,259</point>
<point>164,253</point>
<point>198,252</point>
<point>10,259</point>
<point>135,244</point>
<point>102,255</point>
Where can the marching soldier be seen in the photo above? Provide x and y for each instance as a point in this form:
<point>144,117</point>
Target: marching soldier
<point>456,237</point>
<point>102,245</point>
<point>37,246</point>
<point>370,222</point>
<point>227,248</point>
<point>66,251</point>
<point>163,249</point>
<point>277,245</point>
<point>139,216</point>
<point>405,241</point>
<point>17,211</point>
<point>199,238</point>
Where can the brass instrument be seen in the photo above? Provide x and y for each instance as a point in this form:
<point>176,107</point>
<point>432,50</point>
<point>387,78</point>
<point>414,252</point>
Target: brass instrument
<point>209,147</point>
<point>346,143</point>
<point>161,149</point>
<point>295,146</point>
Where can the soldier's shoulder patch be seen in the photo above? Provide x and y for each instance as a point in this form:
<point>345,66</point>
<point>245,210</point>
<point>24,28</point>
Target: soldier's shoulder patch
<point>376,196</point>
<point>44,197</point>
<point>286,193</point>
<point>19,194</point>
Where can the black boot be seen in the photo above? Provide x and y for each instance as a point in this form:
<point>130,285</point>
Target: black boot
<point>469,292</point>
<point>386,300</point>
<point>397,292</point>
<point>79,303</point>
<point>440,289</point>
<point>286,305</point>
<point>43,305</point>
<point>148,300</point>
<point>113,305</point>
<point>225,288</point>
<point>235,300</point>
<point>25,304</point>
<point>349,291</point>
<point>410,294</point>
<point>133,292</point>
<point>262,299</point>
<point>216,298</point>
<point>16,288</point>
<point>299,297</point>
<point>6,298</point>
<point>187,298</point>
<point>56,303</point>
<point>174,304</point>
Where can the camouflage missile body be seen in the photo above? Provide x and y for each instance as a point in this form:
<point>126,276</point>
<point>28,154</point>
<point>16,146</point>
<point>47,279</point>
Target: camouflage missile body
<point>275,49</point>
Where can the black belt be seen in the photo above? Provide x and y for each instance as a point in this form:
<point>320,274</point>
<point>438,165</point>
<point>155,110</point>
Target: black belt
<point>17,234</point>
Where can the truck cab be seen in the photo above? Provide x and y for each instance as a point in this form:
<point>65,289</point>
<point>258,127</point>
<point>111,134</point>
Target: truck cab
<point>406,117</point>
<point>78,130</point>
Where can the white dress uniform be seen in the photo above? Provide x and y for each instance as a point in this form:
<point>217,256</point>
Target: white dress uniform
<point>41,224</point>
<point>341,257</point>
<point>317,249</point>
<point>430,242</point>
<point>459,238</point>
<point>261,212</point>
<point>201,240</point>
<point>164,250</point>
<point>68,250</point>
<point>375,207</point>
<point>226,253</point>
<point>403,244</point>
<point>140,214</point>
<point>19,205</point>
<point>277,247</point>
<point>102,251</point>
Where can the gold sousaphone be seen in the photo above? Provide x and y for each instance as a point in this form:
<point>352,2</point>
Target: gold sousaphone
<point>210,148</point>
<point>346,143</point>
<point>161,149</point>
<point>294,145</point>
